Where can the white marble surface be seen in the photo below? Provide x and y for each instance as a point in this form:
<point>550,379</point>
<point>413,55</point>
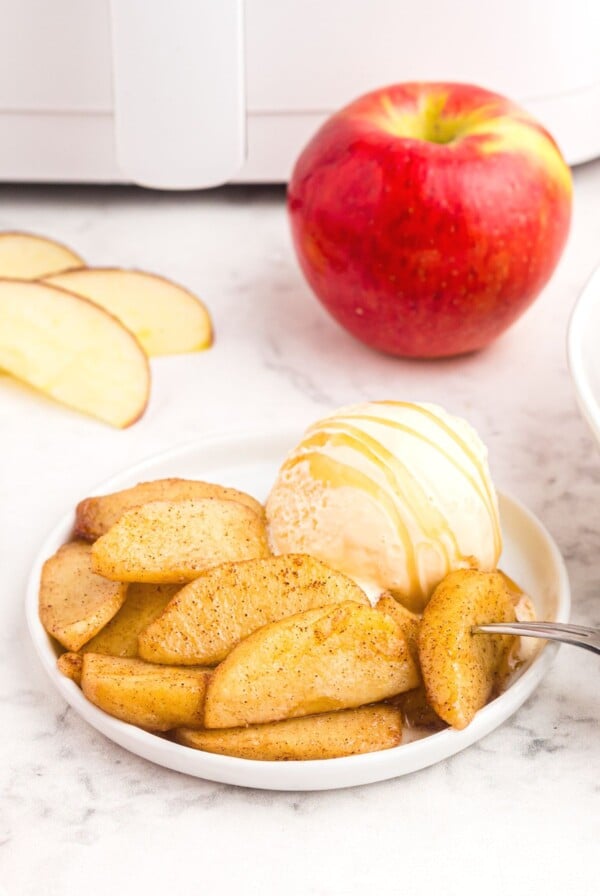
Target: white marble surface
<point>517,813</point>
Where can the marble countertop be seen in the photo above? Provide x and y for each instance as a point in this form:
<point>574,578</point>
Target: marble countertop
<point>517,812</point>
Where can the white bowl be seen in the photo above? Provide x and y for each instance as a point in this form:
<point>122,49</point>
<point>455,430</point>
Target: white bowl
<point>250,462</point>
<point>583,353</point>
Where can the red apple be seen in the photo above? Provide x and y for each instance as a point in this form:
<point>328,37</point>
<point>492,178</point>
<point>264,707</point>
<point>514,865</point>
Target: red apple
<point>428,216</point>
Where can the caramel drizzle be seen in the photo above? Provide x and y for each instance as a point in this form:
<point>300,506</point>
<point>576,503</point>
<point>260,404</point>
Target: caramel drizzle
<point>485,494</point>
<point>402,482</point>
<point>335,474</point>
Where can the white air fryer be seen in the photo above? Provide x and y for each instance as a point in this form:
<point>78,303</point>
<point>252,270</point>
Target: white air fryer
<point>181,94</point>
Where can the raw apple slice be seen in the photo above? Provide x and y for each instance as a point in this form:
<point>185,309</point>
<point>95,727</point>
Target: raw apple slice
<point>26,256</point>
<point>166,318</point>
<point>73,351</point>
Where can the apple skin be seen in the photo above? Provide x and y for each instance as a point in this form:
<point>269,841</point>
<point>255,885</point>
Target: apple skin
<point>427,216</point>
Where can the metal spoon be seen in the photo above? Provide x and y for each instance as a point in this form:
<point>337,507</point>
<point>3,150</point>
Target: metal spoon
<point>578,635</point>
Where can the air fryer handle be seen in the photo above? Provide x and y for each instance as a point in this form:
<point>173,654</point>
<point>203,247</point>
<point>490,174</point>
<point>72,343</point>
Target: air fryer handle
<point>179,92</point>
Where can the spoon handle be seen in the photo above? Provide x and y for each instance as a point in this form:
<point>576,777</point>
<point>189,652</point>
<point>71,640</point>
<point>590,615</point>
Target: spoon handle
<point>578,635</point>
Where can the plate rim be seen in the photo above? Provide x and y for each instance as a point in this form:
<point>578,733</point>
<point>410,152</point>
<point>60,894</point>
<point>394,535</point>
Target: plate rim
<point>336,773</point>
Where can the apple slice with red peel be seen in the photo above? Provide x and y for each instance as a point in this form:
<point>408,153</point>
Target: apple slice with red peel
<point>73,351</point>
<point>26,256</point>
<point>166,318</point>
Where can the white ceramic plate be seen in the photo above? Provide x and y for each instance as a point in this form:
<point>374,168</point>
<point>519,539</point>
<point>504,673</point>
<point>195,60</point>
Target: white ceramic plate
<point>250,463</point>
<point>583,354</point>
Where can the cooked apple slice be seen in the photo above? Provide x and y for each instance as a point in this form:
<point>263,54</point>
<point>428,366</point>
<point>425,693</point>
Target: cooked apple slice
<point>74,602</point>
<point>207,618</point>
<point>70,665</point>
<point>337,657</point>
<point>459,668</point>
<point>325,736</point>
<point>73,351</point>
<point>166,318</point>
<point>26,256</point>
<point>408,621</point>
<point>416,711</point>
<point>143,604</point>
<point>157,698</point>
<point>173,541</point>
<point>95,516</point>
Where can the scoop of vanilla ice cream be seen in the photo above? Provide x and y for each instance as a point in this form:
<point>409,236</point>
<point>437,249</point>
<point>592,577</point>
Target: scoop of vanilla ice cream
<point>393,494</point>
